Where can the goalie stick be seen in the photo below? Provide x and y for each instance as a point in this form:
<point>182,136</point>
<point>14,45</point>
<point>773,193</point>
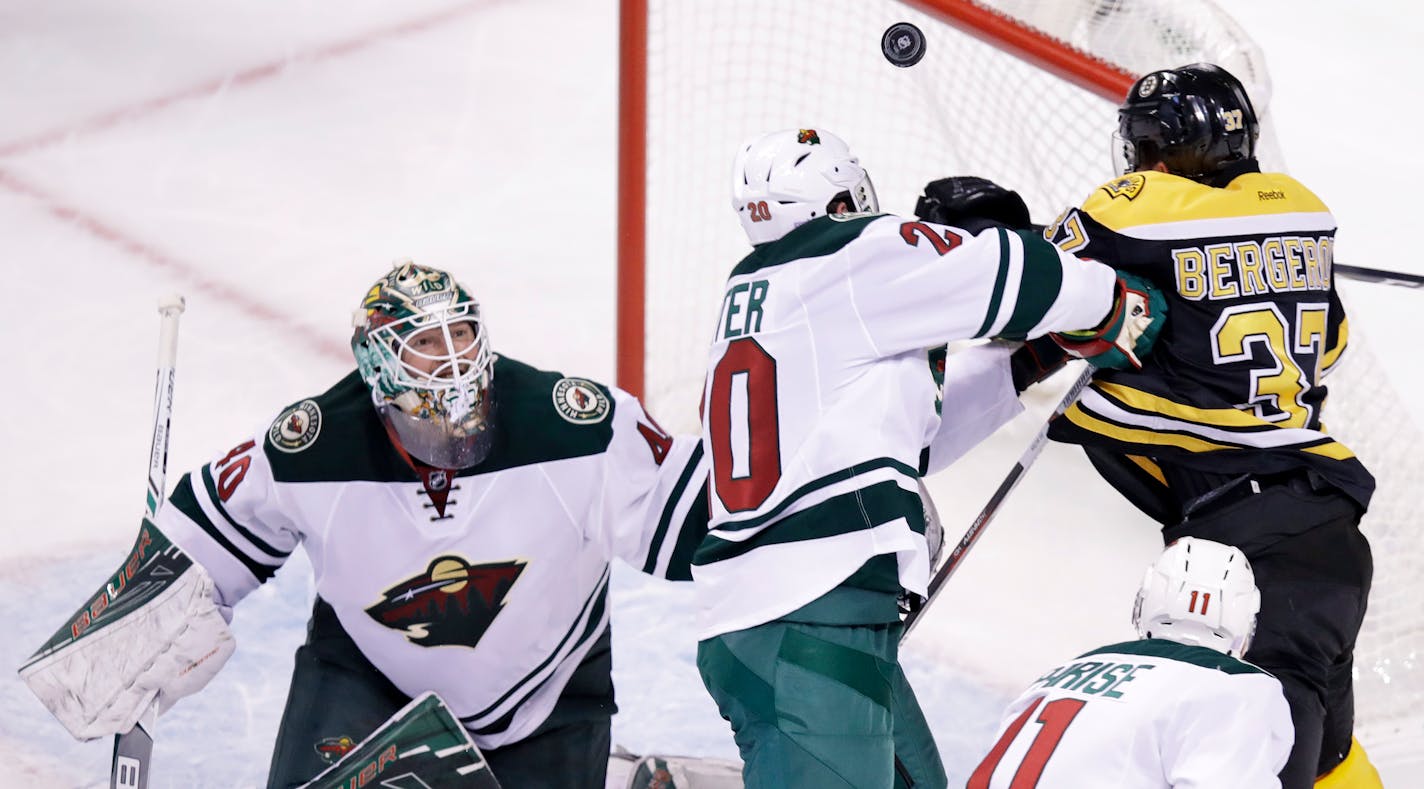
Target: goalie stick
<point>981,521</point>
<point>133,750</point>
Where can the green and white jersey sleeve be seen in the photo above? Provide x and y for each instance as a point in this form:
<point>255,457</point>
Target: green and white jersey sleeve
<point>1146,714</point>
<point>498,572</point>
<point>819,399</point>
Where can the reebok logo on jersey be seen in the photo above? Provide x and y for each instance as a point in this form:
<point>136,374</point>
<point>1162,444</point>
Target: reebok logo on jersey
<point>580,401</point>
<point>450,604</point>
<point>297,427</point>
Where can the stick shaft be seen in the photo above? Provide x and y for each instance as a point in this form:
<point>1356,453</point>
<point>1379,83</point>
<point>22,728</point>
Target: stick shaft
<point>986,515</point>
<point>133,750</point>
<point>1385,276</point>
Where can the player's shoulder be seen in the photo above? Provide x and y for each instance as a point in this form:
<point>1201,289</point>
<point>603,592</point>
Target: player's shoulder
<point>542,415</point>
<point>1152,198</point>
<point>333,436</point>
<point>1186,655</point>
<point>818,238</point>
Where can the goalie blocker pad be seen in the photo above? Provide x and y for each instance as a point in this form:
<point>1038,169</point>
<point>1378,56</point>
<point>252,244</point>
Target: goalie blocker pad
<point>423,744</point>
<point>149,637</point>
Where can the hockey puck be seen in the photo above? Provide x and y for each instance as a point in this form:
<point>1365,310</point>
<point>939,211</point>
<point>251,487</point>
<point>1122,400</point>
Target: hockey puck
<point>903,44</point>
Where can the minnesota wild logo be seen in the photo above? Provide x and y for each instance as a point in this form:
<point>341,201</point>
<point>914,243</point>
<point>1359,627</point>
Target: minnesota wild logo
<point>452,603</point>
<point>808,137</point>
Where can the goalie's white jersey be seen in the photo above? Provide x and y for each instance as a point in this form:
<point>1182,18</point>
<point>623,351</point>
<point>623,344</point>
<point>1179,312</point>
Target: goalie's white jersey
<point>819,399</point>
<point>491,601</point>
<point>1144,714</point>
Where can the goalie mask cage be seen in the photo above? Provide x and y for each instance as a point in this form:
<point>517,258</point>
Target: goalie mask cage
<point>1023,92</point>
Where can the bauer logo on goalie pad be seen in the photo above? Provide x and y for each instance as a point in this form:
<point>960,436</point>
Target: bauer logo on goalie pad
<point>297,427</point>
<point>580,401</point>
<point>1129,186</point>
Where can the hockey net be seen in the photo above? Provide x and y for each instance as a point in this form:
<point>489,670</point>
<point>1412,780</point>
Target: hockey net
<point>1023,92</point>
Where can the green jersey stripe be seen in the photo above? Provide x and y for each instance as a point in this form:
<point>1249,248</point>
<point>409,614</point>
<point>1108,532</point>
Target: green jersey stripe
<point>855,510</point>
<point>1038,286</point>
<point>594,606</point>
<point>261,545</point>
<point>997,297</point>
<point>187,503</point>
<point>815,485</point>
<point>1182,653</point>
<point>665,520</point>
<point>820,237</point>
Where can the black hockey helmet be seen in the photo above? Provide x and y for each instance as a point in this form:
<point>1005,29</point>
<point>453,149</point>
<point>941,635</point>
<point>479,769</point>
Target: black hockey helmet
<point>1195,119</point>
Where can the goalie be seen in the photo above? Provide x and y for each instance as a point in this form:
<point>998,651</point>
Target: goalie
<point>460,510</point>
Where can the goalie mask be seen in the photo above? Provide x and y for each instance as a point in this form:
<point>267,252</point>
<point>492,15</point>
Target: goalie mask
<point>422,349</point>
<point>1202,593</point>
<point>785,179</point>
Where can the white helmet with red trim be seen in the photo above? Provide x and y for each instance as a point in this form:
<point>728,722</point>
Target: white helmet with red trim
<point>1202,593</point>
<point>784,179</point>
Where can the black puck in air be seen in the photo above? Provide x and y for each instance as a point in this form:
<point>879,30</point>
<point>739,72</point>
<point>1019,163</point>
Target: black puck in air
<point>903,44</point>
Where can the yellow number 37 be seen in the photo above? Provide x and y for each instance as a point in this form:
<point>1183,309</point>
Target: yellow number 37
<point>1276,392</point>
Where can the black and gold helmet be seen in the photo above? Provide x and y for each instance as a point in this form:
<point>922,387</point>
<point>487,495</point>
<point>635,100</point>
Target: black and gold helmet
<point>1196,119</point>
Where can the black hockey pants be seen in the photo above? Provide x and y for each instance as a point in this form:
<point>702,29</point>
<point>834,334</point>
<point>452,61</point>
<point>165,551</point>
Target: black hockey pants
<point>1313,567</point>
<point>336,693</point>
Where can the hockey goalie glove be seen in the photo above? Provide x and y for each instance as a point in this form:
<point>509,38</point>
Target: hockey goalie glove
<point>151,636</point>
<point>1128,332</point>
<point>972,203</point>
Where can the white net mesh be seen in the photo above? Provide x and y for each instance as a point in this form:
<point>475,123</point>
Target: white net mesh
<point>721,72</point>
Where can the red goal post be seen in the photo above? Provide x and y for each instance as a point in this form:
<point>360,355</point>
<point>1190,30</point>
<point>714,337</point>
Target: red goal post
<point>1020,91</point>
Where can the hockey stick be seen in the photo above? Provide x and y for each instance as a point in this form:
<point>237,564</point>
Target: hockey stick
<point>981,521</point>
<point>1380,275</point>
<point>133,750</point>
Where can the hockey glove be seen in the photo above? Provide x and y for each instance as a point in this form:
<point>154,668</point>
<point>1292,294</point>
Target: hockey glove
<point>972,203</point>
<point>1035,360</point>
<point>1127,334</point>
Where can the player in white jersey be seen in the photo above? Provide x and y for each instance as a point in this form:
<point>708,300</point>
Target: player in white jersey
<point>1177,709</point>
<point>460,510</point>
<point>820,418</point>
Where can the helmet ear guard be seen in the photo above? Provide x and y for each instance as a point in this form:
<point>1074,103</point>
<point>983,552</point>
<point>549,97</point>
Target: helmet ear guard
<point>1195,119</point>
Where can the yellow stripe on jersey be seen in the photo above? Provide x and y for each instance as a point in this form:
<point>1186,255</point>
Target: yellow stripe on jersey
<point>1332,449</point>
<point>1081,418</point>
<point>1222,418</point>
<point>1157,198</point>
<point>1147,465</point>
<point>1144,401</point>
<point>1332,355</point>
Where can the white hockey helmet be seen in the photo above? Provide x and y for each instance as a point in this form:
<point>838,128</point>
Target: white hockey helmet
<point>1199,592</point>
<point>787,178</point>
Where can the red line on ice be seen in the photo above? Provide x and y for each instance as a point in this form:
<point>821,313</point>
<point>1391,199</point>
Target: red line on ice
<point>243,78</point>
<point>195,276</point>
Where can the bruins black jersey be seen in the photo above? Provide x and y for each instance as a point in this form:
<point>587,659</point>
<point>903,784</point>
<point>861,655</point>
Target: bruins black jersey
<point>1234,384</point>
